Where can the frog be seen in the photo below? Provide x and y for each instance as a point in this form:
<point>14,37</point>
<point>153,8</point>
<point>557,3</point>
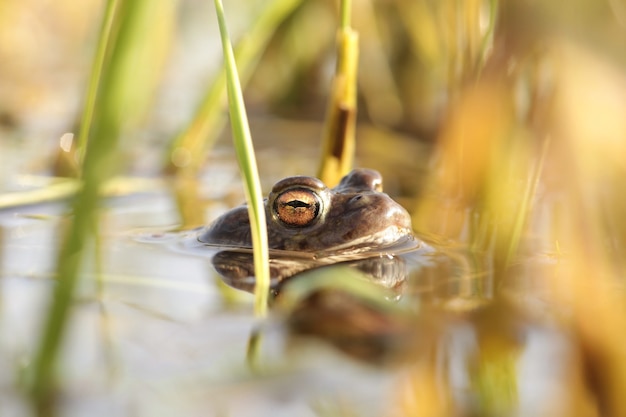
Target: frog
<point>310,224</point>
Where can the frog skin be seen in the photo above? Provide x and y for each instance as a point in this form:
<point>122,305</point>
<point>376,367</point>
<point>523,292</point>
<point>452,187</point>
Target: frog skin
<point>304,215</point>
<point>310,225</point>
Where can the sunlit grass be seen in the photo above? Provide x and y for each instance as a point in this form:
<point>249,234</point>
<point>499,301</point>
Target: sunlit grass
<point>338,141</point>
<point>526,120</point>
<point>64,188</point>
<point>338,278</point>
<point>119,91</point>
<point>247,165</point>
<point>104,38</point>
<point>519,187</point>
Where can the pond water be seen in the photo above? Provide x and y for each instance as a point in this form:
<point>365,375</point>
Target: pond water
<point>155,331</point>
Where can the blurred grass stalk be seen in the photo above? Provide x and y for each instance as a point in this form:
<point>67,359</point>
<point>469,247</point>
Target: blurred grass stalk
<point>122,94</point>
<point>94,78</point>
<point>187,151</point>
<point>247,165</point>
<point>546,217</point>
<point>338,141</point>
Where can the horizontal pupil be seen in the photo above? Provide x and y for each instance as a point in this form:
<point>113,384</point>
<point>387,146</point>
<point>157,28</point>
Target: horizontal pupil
<point>297,203</point>
<point>297,207</point>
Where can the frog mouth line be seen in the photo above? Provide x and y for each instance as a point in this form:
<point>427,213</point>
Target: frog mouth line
<point>235,263</point>
<point>377,244</point>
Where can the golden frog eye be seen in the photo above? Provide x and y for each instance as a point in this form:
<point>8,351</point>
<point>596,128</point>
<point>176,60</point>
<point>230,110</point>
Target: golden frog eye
<point>297,207</point>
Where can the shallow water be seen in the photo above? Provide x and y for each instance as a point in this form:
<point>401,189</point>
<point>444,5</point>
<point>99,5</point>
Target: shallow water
<point>155,331</point>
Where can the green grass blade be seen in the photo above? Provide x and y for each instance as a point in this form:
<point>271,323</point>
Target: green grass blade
<point>121,88</point>
<point>344,15</point>
<point>95,77</point>
<point>248,167</point>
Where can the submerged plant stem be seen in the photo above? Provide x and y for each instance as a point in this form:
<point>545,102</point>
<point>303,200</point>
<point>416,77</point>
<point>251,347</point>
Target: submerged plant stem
<point>67,275</point>
<point>248,168</point>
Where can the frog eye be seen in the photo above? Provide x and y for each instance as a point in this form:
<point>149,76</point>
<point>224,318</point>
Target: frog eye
<point>297,207</point>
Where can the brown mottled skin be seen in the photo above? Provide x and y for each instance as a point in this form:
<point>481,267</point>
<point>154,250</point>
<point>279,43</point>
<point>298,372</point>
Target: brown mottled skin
<point>355,215</point>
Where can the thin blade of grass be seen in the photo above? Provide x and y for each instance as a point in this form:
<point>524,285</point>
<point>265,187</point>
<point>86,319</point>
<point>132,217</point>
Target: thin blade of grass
<point>120,88</point>
<point>248,168</point>
<point>335,278</point>
<point>527,204</point>
<point>66,188</point>
<point>95,77</point>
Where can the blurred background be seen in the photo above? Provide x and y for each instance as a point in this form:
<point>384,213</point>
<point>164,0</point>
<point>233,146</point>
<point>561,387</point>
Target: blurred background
<point>500,125</point>
<point>417,60</point>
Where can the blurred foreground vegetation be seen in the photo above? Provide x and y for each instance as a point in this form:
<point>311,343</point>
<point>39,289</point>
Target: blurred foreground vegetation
<point>520,104</point>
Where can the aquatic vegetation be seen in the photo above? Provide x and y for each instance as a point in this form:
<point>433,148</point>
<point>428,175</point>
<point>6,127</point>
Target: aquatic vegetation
<point>338,141</point>
<point>247,165</point>
<point>498,125</point>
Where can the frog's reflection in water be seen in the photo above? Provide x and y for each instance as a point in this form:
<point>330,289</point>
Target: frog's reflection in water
<point>237,269</point>
<point>354,305</point>
<point>312,227</point>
